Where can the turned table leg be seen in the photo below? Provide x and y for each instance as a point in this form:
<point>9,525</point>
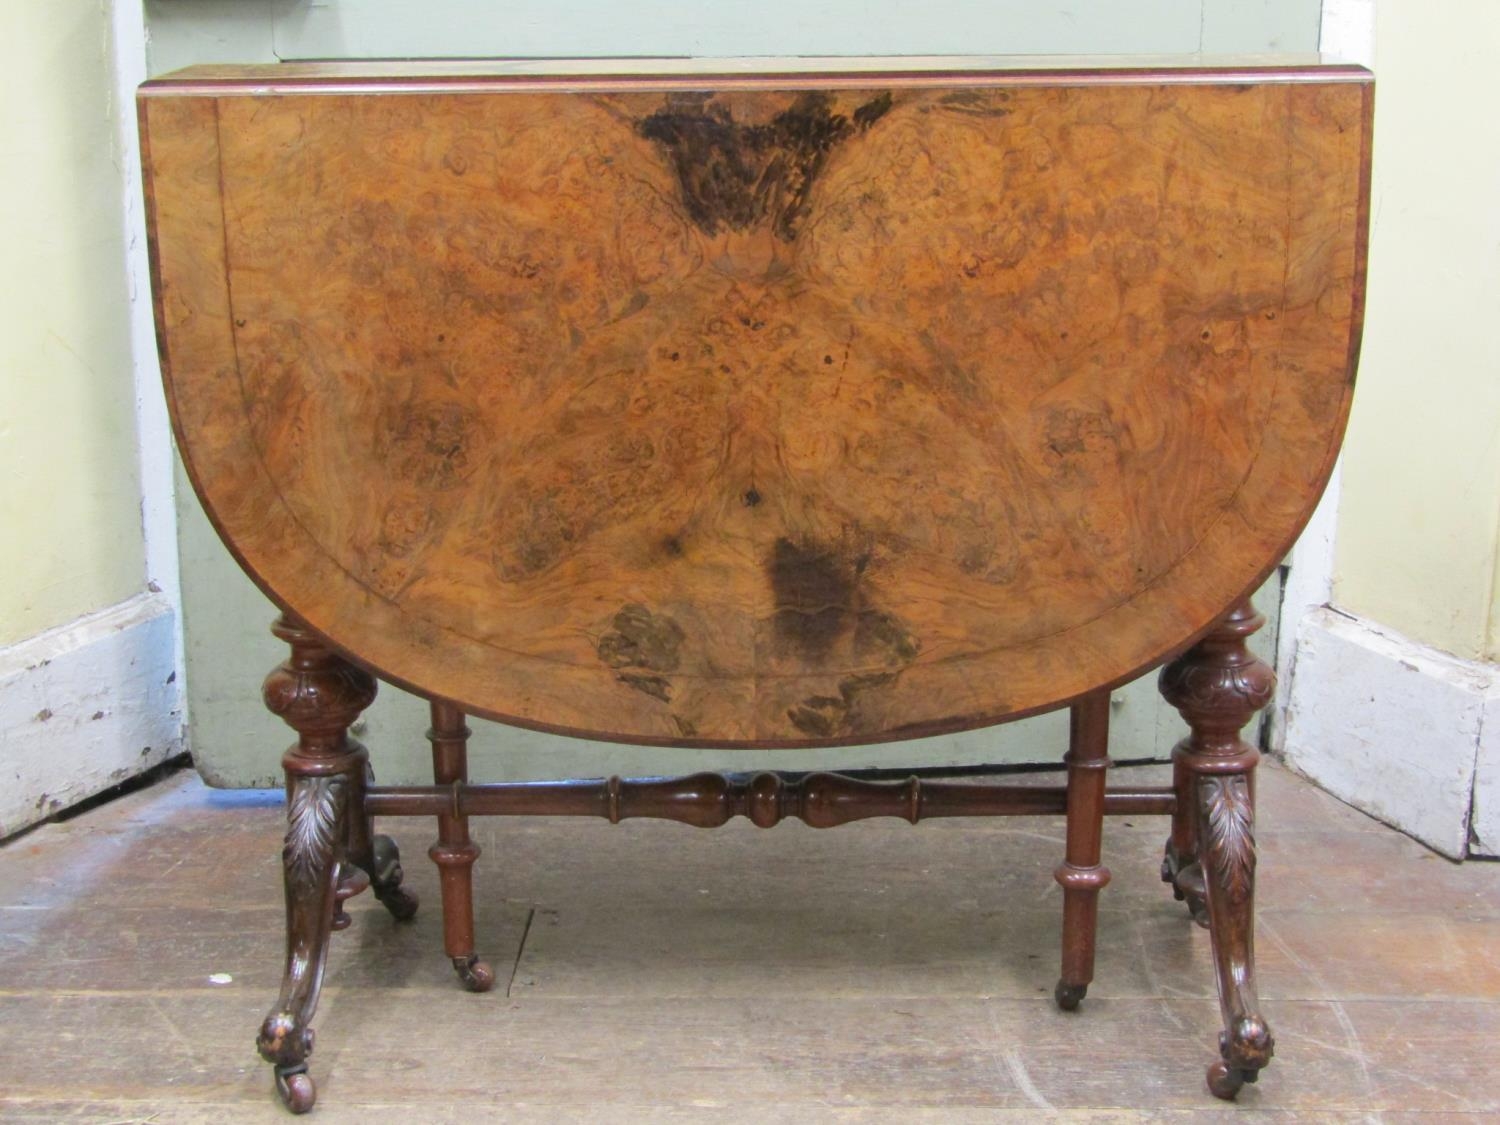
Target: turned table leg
<point>1081,874</point>
<point>1218,685</point>
<point>318,694</point>
<point>454,853</point>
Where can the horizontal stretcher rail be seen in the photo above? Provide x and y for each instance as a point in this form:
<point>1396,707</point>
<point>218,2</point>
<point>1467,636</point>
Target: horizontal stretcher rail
<point>707,800</point>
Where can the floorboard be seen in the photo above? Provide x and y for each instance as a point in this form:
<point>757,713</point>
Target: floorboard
<point>655,973</point>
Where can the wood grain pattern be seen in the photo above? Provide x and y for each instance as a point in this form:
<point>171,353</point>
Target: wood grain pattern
<point>767,416</point>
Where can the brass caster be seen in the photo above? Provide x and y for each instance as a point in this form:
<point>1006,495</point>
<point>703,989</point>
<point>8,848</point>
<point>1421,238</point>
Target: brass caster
<point>1198,908</point>
<point>295,1088</point>
<point>475,974</point>
<point>1069,996</point>
<point>1224,1081</point>
<point>401,902</point>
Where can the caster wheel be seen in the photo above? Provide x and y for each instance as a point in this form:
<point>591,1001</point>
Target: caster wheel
<point>1224,1081</point>
<point>475,974</point>
<point>1198,908</point>
<point>401,903</point>
<point>1069,996</point>
<point>296,1090</point>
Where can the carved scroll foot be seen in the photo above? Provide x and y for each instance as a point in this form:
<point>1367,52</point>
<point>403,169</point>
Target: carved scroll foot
<point>1218,685</point>
<point>1251,1041</point>
<point>386,881</point>
<point>476,975</point>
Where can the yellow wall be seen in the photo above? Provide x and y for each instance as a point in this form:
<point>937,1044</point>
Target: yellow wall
<point>70,524</point>
<point>1420,508</point>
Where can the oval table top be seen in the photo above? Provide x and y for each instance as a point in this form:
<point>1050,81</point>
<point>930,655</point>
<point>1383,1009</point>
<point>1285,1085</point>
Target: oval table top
<point>758,409</point>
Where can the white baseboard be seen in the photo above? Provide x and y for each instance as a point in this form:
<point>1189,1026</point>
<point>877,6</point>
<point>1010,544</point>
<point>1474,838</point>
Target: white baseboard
<point>86,706</point>
<point>1399,730</point>
<point>1484,820</point>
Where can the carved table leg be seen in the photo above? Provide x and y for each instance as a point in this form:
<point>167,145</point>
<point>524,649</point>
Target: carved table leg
<point>1081,875</point>
<point>454,852</point>
<point>1179,866</point>
<point>318,694</point>
<point>1218,685</point>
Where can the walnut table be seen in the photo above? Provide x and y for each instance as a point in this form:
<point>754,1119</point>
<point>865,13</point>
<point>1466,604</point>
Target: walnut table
<point>722,404</point>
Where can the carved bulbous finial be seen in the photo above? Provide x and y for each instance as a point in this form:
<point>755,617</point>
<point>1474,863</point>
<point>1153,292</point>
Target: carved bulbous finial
<point>1219,684</point>
<point>315,691</point>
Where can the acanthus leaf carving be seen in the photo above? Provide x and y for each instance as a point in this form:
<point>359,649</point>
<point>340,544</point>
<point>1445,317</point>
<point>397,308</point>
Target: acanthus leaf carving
<point>1229,823</point>
<point>312,824</point>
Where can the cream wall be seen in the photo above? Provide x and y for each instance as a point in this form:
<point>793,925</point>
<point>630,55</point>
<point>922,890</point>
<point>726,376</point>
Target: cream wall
<point>70,499</point>
<point>1419,514</point>
<point>1394,696</point>
<point>90,633</point>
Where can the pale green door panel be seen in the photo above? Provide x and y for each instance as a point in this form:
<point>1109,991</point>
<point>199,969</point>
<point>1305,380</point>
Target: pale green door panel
<point>229,648</point>
<point>188,31</point>
<point>378,28</point>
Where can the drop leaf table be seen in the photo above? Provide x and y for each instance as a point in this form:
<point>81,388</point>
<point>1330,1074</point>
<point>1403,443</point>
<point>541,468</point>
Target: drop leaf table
<point>756,404</point>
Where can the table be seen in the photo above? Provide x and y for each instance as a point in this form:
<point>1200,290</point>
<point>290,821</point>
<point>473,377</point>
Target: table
<point>756,403</point>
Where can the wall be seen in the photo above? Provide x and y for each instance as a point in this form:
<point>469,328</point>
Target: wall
<point>228,646</point>
<point>1421,503</point>
<point>70,506</point>
<point>88,639</point>
<point>1395,699</point>
<point>254,30</point>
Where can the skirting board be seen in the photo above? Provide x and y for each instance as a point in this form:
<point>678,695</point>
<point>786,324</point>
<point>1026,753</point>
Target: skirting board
<point>1405,732</point>
<point>86,706</point>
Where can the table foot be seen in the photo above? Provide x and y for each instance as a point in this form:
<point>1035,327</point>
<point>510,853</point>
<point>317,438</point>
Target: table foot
<point>295,1088</point>
<point>1224,1081</point>
<point>476,975</point>
<point>1069,996</point>
<point>386,878</point>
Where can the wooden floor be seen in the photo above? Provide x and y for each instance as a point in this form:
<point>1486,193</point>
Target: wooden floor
<point>652,972</point>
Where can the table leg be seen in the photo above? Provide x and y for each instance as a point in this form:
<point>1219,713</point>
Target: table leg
<point>454,852</point>
<point>318,694</point>
<point>1081,874</point>
<point>1179,866</point>
<point>1218,685</point>
<point>379,857</point>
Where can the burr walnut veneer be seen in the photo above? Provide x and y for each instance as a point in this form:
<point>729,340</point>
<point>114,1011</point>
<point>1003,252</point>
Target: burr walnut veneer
<point>724,405</point>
